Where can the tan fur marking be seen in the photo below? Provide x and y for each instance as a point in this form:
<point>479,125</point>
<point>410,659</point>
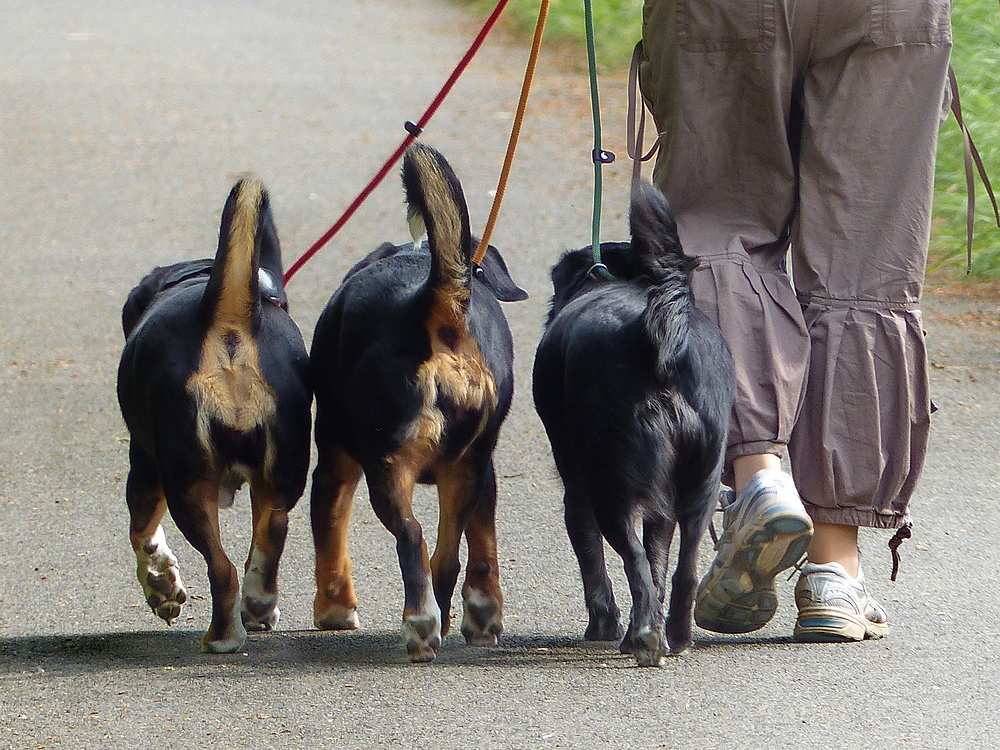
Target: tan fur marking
<point>458,373</point>
<point>231,389</point>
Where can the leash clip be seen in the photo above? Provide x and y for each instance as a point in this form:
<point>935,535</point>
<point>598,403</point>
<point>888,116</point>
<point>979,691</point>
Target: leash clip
<point>602,156</point>
<point>599,270</point>
<point>412,128</point>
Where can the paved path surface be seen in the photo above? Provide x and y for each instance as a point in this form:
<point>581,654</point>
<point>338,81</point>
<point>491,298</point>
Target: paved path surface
<point>122,128</point>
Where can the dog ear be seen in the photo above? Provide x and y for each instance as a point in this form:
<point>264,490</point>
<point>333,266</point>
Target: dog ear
<point>494,276</point>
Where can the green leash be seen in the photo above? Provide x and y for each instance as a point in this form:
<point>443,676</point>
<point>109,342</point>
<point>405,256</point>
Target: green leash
<point>600,156</point>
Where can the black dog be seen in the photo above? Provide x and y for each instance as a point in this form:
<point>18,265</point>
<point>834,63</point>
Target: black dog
<point>634,386</point>
<point>412,366</point>
<point>213,385</point>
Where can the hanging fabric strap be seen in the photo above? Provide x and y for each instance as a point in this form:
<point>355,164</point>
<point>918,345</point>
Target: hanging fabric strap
<point>971,155</point>
<point>904,532</point>
<point>636,125</point>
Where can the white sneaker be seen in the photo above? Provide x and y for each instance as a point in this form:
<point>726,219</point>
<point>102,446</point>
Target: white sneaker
<point>766,531</point>
<point>833,607</point>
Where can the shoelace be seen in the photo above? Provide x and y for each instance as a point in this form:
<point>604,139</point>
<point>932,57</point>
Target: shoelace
<point>726,498</point>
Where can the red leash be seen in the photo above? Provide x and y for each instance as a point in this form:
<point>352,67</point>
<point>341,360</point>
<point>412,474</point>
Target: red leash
<point>413,130</point>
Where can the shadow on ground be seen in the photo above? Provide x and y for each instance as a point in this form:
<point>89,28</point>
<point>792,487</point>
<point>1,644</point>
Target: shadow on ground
<point>289,650</point>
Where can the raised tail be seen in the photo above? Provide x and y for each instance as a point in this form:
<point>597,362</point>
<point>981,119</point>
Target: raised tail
<point>249,257</point>
<point>228,386</point>
<point>436,206</point>
<point>662,262</point>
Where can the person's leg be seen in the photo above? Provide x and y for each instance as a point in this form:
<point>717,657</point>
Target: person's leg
<point>719,80</point>
<point>871,117</point>
<point>872,107</point>
<point>745,467</point>
<point>721,96</point>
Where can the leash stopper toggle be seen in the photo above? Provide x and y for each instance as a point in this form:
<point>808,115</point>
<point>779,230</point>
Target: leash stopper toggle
<point>601,156</point>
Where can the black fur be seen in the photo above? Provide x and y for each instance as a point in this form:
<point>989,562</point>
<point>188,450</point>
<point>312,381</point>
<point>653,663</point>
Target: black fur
<point>635,386</point>
<point>166,320</point>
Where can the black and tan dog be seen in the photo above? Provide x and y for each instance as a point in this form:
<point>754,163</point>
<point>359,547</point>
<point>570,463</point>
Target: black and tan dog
<point>213,385</point>
<point>412,366</point>
<point>634,386</point>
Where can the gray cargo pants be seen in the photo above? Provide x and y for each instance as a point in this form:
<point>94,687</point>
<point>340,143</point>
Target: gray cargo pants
<point>810,126</point>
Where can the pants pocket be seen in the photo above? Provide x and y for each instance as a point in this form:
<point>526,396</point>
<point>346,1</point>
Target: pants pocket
<point>896,22</point>
<point>718,25</point>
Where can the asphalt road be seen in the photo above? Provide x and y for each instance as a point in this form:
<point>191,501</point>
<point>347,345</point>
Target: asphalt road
<point>122,127</point>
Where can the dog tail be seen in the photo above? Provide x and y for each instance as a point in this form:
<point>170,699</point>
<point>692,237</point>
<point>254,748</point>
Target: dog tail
<point>667,270</point>
<point>436,206</point>
<point>232,296</point>
<point>229,388</point>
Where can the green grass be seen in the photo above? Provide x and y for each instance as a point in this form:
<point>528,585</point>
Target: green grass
<point>617,25</point>
<point>976,59</point>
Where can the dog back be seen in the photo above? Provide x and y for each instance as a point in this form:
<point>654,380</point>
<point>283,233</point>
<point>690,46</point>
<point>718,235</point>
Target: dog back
<point>634,355</point>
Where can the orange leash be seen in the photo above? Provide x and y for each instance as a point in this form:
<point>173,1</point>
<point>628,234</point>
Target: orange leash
<point>515,133</point>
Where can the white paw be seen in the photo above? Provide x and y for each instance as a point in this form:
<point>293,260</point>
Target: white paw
<point>259,609</point>
<point>336,617</point>
<point>649,647</point>
<point>482,620</point>
<point>159,576</point>
<point>228,641</point>
<point>422,630</point>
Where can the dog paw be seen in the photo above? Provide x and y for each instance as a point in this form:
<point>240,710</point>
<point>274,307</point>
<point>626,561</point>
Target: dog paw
<point>160,578</point>
<point>422,636</point>
<point>482,622</point>
<point>259,608</point>
<point>335,617</point>
<point>605,626</point>
<point>647,645</point>
<point>229,637</point>
<point>227,643</point>
<point>259,615</point>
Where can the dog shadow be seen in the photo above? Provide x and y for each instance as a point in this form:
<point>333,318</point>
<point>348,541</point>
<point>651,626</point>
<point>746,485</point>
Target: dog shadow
<point>306,650</point>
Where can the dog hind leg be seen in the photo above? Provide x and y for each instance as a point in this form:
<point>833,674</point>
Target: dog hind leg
<point>259,603</point>
<point>335,478</point>
<point>455,486</point>
<point>390,487</point>
<point>604,617</point>
<point>482,618</point>
<point>646,635</point>
<point>195,511</point>
<point>685,580</point>
<point>156,565</point>
<point>657,535</point>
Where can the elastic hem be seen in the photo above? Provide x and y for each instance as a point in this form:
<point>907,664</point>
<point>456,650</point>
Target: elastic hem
<point>860,517</point>
<point>751,449</point>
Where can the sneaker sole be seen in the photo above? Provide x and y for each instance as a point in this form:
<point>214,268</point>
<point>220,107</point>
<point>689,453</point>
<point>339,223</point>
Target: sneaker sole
<point>831,625</point>
<point>737,595</point>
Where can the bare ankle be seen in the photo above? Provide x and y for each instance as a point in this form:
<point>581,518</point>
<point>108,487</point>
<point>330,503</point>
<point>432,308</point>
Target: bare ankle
<point>835,543</point>
<point>744,467</point>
